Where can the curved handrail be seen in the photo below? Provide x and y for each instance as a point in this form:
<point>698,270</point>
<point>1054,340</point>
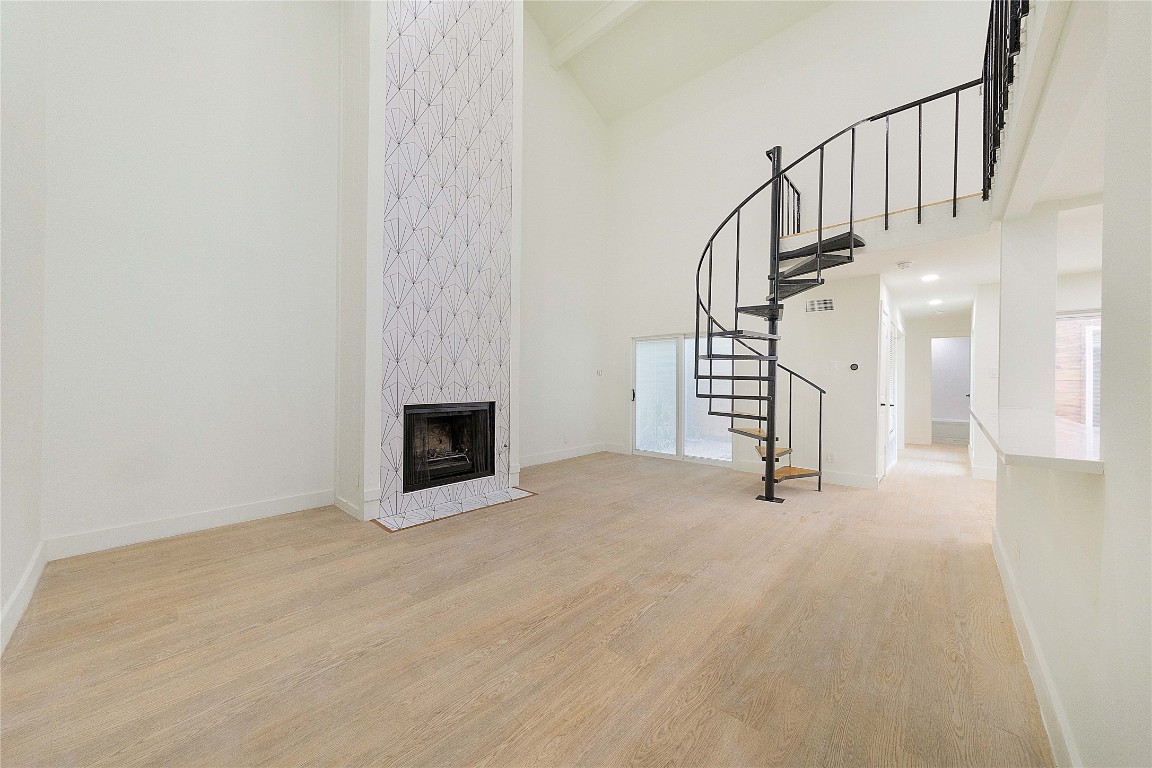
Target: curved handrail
<point>918,102</point>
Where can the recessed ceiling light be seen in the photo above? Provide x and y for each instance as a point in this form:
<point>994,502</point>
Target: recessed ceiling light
<point>930,278</point>
<point>934,302</point>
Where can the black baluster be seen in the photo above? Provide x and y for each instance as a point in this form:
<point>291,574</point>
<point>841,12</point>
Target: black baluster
<point>956,156</point>
<point>736,307</point>
<point>919,162</point>
<point>886,172</point>
<point>852,199</point>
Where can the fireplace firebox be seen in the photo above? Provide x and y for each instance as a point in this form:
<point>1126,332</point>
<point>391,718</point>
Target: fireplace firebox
<point>448,443</point>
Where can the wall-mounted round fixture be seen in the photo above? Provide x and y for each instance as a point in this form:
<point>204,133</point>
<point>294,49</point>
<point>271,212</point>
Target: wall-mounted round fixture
<point>903,264</point>
<point>930,278</point>
<point>934,302</point>
<point>855,366</point>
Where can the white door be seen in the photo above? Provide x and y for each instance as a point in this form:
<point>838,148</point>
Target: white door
<point>890,396</point>
<point>886,409</point>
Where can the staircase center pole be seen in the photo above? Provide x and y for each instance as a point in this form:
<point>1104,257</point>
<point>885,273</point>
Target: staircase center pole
<point>773,329</point>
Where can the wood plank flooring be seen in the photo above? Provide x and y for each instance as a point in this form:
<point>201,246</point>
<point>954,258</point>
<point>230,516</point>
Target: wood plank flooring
<point>638,611</point>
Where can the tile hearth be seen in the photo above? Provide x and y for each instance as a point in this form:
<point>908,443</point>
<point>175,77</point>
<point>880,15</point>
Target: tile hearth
<point>407,518</point>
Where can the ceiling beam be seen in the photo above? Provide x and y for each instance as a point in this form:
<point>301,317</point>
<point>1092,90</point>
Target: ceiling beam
<point>599,24</point>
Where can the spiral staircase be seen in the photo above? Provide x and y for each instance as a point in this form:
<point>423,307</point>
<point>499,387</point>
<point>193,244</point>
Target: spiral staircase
<point>750,375</point>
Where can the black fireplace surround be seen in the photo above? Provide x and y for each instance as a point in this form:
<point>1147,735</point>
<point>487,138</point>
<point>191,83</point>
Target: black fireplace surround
<point>448,443</point>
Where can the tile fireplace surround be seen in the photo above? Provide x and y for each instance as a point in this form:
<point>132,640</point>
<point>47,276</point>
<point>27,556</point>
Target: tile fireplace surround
<point>447,239</point>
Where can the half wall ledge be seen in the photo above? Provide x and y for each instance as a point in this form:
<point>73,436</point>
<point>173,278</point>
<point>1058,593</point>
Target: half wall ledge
<point>1033,438</point>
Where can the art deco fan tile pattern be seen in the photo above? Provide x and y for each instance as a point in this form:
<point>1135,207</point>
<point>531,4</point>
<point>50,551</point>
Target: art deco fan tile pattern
<point>447,239</point>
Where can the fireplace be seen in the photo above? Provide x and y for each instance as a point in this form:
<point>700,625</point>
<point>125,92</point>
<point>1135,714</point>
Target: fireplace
<point>448,443</point>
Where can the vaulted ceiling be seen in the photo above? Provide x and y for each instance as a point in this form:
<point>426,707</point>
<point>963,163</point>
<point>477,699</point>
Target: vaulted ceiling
<point>626,53</point>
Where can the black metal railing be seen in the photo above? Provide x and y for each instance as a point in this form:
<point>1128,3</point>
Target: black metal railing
<point>1002,45</point>
<point>820,392</point>
<point>1000,50</point>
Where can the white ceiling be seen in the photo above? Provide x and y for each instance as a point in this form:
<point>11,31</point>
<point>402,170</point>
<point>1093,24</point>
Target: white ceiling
<point>659,45</point>
<point>965,263</point>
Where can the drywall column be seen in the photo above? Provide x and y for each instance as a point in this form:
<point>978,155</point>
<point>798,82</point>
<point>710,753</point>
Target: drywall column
<point>1028,311</point>
<point>350,352</point>
<point>985,376</point>
<point>1116,731</point>
<point>23,237</point>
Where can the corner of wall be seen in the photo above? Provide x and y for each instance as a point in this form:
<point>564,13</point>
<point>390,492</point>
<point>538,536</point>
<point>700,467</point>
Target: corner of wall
<point>14,609</point>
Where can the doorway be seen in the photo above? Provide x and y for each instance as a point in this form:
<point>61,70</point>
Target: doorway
<point>951,382</point>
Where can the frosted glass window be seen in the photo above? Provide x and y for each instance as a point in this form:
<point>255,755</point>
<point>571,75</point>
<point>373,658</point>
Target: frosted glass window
<point>656,395</point>
<point>707,437</point>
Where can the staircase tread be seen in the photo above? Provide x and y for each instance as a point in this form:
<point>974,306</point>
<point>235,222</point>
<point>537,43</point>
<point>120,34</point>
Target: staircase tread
<point>720,396</point>
<point>785,472</point>
<point>742,334</point>
<point>808,265</point>
<point>838,242</point>
<point>786,289</point>
<point>738,415</point>
<point>762,310</point>
<point>754,432</point>
<point>780,451</point>
<point>728,377</point>
<point>716,356</point>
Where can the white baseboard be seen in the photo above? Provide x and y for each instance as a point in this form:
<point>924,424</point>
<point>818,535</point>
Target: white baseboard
<point>135,533</point>
<point>17,603</point>
<point>1064,750</point>
<point>984,473</point>
<point>616,448</point>
<point>868,482</point>
<point>372,495</point>
<point>566,453</point>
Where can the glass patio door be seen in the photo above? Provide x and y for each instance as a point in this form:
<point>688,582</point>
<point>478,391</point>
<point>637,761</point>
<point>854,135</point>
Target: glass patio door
<point>668,419</point>
<point>657,396</point>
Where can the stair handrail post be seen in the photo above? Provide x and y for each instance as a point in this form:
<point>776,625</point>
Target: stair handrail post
<point>773,331</point>
<point>820,443</point>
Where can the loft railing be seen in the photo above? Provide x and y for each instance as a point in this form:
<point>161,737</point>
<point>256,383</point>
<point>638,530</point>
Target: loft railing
<point>1002,45</point>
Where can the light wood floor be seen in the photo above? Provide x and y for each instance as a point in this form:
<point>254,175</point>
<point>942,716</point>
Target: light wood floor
<point>637,611</point>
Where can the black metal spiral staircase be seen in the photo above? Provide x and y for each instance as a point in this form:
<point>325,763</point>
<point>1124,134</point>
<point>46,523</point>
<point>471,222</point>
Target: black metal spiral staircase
<point>749,358</point>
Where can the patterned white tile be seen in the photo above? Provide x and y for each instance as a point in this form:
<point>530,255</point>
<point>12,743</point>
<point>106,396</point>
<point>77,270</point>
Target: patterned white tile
<point>448,218</point>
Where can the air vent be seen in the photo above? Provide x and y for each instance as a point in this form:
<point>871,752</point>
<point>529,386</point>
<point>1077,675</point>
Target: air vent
<point>819,305</point>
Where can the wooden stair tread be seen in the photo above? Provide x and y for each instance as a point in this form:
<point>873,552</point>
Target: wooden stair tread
<point>779,451</point>
<point>785,472</point>
<point>753,432</point>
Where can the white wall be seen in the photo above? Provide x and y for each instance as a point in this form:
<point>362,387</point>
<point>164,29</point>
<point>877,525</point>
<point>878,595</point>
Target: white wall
<point>1078,291</point>
<point>822,346</point>
<point>919,332</point>
<point>190,269</point>
<point>985,376</point>
<point>1075,551</point>
<point>22,190</point>
<point>564,271</point>
<point>951,364</point>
